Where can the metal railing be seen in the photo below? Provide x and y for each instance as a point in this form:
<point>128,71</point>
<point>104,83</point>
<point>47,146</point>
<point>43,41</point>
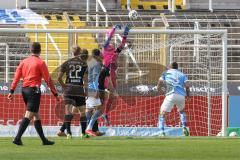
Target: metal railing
<point>99,3</point>
<point>26,4</point>
<point>49,36</point>
<point>70,26</point>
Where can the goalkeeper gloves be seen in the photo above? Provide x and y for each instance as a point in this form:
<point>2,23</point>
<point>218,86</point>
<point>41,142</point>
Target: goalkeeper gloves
<point>126,30</point>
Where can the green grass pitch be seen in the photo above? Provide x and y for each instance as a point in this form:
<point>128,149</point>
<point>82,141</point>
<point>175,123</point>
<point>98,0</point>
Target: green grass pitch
<point>123,148</point>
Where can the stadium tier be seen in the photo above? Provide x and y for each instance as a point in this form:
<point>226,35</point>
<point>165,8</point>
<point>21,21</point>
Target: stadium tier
<point>56,49</point>
<point>152,5</point>
<point>217,20</point>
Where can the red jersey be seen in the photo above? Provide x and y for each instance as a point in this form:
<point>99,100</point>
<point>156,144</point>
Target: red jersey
<point>32,70</point>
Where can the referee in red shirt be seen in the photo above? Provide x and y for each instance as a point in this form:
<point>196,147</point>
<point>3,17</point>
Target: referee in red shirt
<point>32,70</point>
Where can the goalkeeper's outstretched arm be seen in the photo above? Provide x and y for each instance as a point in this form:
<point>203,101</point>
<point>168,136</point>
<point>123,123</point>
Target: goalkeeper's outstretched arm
<point>110,35</point>
<point>124,38</point>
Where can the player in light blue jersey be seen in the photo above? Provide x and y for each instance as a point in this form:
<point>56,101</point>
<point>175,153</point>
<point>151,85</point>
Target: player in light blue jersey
<point>93,103</point>
<point>177,88</point>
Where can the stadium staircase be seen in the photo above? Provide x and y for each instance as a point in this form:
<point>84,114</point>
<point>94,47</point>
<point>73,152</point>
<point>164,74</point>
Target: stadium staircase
<point>57,50</point>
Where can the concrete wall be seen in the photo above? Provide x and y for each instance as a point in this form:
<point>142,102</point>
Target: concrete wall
<point>217,4</point>
<point>75,4</point>
<point>10,4</point>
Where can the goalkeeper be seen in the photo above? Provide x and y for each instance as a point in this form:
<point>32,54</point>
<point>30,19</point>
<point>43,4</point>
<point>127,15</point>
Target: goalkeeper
<point>110,56</point>
<point>176,83</point>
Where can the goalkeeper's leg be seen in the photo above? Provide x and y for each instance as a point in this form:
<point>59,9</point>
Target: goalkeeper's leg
<point>109,103</point>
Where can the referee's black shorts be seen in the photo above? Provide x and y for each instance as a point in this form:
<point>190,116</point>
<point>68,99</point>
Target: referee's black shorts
<point>32,97</point>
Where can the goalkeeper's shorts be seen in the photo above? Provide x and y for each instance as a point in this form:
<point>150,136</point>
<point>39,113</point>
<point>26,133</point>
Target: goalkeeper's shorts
<point>171,100</point>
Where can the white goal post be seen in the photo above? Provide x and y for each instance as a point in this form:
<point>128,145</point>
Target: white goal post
<point>6,61</point>
<point>221,33</point>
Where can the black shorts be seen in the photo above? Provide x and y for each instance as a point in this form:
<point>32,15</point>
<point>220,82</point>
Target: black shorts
<point>76,101</point>
<point>103,74</point>
<point>32,97</point>
<point>74,95</point>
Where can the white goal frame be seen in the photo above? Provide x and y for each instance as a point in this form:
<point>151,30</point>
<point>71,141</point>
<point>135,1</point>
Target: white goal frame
<point>222,33</point>
<point>6,61</point>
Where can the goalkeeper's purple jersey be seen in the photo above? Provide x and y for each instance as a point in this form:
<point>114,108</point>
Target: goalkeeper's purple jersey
<point>175,81</point>
<point>109,53</point>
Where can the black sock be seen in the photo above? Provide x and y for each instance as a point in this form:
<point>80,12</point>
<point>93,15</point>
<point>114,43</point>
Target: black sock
<point>23,126</point>
<point>95,126</point>
<point>63,127</point>
<point>68,119</point>
<point>83,122</point>
<point>38,127</point>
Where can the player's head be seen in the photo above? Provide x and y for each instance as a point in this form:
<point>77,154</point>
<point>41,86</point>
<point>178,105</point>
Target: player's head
<point>36,48</point>
<point>174,65</point>
<point>84,54</point>
<point>110,48</point>
<point>76,50</point>
<point>96,53</point>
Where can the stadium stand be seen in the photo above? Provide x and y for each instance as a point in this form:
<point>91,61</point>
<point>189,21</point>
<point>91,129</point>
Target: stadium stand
<point>216,20</point>
<point>181,20</point>
<point>57,49</point>
<point>151,5</point>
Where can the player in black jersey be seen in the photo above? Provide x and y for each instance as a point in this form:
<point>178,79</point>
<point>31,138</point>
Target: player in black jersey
<point>74,92</point>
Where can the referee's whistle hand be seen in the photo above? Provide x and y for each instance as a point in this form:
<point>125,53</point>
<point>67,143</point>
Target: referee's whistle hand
<point>10,96</point>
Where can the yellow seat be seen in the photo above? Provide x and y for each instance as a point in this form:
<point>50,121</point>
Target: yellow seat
<point>147,4</point>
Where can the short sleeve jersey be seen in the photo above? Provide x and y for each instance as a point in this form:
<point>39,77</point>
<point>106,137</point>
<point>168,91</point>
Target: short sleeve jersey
<point>74,69</point>
<point>175,81</point>
<point>94,69</point>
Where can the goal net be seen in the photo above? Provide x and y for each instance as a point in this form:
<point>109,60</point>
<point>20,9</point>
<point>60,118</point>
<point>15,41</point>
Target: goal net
<point>136,103</point>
